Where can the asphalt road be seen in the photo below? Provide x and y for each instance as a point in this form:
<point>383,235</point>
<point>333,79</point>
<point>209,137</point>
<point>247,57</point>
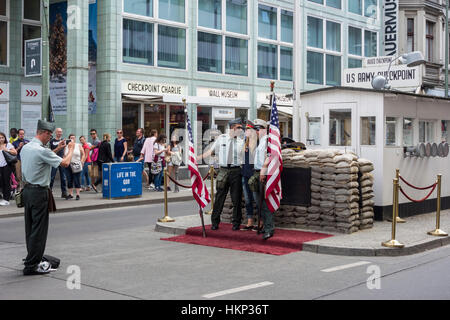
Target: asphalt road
<point>116,254</point>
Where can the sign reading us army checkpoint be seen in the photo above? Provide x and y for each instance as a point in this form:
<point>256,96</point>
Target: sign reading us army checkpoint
<point>33,58</point>
<point>122,179</point>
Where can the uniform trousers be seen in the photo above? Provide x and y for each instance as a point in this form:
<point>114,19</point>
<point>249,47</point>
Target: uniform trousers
<point>35,199</point>
<point>228,179</point>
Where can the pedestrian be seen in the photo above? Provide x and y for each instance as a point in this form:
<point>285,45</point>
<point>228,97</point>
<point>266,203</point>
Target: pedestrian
<point>74,170</point>
<point>5,169</point>
<point>104,156</point>
<point>147,156</point>
<point>58,148</point>
<point>261,164</point>
<point>176,157</point>
<point>85,174</point>
<point>37,161</point>
<point>18,144</point>
<point>13,133</point>
<point>229,149</point>
<point>136,152</point>
<point>159,151</point>
<point>120,147</point>
<point>95,145</point>
<point>251,141</point>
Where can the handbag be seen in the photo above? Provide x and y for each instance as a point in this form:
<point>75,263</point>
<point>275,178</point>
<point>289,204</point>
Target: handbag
<point>76,166</point>
<point>94,155</point>
<point>18,197</point>
<point>9,158</point>
<point>155,167</point>
<point>176,159</point>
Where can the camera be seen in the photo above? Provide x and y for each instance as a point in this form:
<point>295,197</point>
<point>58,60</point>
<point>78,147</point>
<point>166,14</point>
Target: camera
<point>68,141</point>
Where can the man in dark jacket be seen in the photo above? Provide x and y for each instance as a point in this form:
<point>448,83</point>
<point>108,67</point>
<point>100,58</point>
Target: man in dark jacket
<point>104,156</point>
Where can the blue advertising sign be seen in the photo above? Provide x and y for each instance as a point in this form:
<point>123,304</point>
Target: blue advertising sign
<point>122,179</point>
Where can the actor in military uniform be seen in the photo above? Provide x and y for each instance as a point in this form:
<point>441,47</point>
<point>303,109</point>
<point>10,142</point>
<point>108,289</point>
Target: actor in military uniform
<point>229,147</point>
<point>37,162</point>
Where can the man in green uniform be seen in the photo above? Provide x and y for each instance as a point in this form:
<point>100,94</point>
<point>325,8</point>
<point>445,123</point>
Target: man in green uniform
<point>37,161</point>
<point>229,147</point>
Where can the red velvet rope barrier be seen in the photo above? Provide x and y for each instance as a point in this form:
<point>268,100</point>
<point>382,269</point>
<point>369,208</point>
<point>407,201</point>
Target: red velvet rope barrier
<point>414,187</point>
<point>184,186</point>
<point>421,200</point>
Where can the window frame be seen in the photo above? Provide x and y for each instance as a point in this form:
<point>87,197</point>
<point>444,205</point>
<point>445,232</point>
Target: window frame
<point>7,20</point>
<point>324,4</point>
<point>396,131</point>
<point>27,22</point>
<point>429,41</point>
<point>278,42</point>
<point>156,21</point>
<point>363,6</point>
<point>427,122</point>
<point>363,43</point>
<point>224,33</point>
<point>374,144</point>
<point>410,35</point>
<point>324,51</point>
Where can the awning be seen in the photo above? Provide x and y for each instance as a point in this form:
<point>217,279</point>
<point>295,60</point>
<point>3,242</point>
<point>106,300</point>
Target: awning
<point>203,101</point>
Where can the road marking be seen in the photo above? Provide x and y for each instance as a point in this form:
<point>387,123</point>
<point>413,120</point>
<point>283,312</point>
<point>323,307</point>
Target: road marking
<point>346,266</point>
<point>244,288</point>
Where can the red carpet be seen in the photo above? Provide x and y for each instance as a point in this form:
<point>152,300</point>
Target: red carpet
<point>283,241</point>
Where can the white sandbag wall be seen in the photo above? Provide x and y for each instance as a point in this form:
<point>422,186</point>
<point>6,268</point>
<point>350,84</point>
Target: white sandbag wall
<point>341,193</point>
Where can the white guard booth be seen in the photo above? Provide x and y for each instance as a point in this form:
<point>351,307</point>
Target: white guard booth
<point>382,126</point>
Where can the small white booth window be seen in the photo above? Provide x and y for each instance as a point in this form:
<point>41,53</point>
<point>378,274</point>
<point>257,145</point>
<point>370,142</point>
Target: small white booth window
<point>391,125</point>
<point>426,131</point>
<point>445,130</point>
<point>368,131</point>
<point>408,132</point>
<point>313,131</point>
<point>341,127</point>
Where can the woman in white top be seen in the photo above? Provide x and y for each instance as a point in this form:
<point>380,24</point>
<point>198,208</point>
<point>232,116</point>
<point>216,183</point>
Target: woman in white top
<point>5,169</point>
<point>73,171</point>
<point>159,151</point>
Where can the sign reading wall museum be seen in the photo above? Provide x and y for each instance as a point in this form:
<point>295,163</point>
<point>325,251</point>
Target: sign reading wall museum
<point>152,89</point>
<point>390,27</point>
<point>400,77</point>
<point>223,93</point>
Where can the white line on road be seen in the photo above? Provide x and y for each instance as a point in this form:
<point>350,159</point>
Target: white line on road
<point>346,266</point>
<point>229,291</point>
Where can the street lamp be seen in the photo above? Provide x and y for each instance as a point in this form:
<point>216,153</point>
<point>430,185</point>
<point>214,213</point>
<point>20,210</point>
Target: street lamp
<point>412,59</point>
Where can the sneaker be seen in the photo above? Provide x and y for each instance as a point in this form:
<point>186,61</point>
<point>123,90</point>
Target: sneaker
<point>77,198</point>
<point>4,203</point>
<point>43,268</point>
<point>152,185</point>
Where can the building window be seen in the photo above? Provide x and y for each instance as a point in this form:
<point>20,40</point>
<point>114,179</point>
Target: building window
<point>171,47</point>
<point>3,33</point>
<point>354,41</point>
<point>426,131</point>
<point>410,35</point>
<point>408,132</point>
<point>172,10</point>
<point>391,128</point>
<point>236,56</point>
<point>333,36</point>
<point>210,14</point>
<point>354,63</point>
<point>429,50</point>
<point>209,57</point>
<point>317,1</point>
<point>315,32</point>
<point>333,70</point>
<point>237,16</point>
<point>32,10</point>
<point>139,7</point>
<point>275,57</point>
<point>368,129</point>
<point>341,127</point>
<point>31,27</point>
<point>314,73</point>
<point>445,130</point>
<point>370,44</point>
<point>137,42</point>
<point>370,8</point>
<point>334,4</point>
<point>29,32</point>
<point>355,6</point>
<point>314,131</point>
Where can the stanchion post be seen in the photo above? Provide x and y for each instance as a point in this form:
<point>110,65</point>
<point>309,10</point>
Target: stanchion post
<point>438,232</point>
<point>397,176</point>
<point>166,214</point>
<point>394,243</point>
<point>211,175</point>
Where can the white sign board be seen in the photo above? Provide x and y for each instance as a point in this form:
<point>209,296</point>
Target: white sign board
<point>31,113</point>
<point>31,93</point>
<point>223,113</point>
<point>281,99</point>
<point>4,117</point>
<point>223,93</point>
<point>4,91</point>
<point>390,27</point>
<point>400,77</point>
<point>152,89</point>
<point>377,61</point>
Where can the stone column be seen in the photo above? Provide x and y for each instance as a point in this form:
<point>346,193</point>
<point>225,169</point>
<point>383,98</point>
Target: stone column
<point>77,67</point>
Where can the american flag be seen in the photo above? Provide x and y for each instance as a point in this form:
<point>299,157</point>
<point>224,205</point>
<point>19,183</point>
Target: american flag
<point>273,185</point>
<point>199,189</point>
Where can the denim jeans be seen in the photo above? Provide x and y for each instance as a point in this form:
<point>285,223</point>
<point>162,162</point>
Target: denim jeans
<point>248,196</point>
<point>158,179</point>
<point>62,177</point>
<point>85,179</point>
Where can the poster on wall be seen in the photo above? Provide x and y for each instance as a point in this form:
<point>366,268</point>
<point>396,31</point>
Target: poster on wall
<point>31,113</point>
<point>58,57</point>
<point>92,57</point>
<point>4,118</point>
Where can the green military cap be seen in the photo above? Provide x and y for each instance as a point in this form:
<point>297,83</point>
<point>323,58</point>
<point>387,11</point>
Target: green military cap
<point>44,125</point>
<point>235,121</point>
<point>249,125</point>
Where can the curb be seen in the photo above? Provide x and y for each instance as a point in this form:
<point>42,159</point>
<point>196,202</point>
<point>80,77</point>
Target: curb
<point>106,206</point>
<point>341,251</point>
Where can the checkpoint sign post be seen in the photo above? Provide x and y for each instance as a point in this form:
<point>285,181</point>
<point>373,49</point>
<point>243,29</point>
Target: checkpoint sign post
<point>33,58</point>
<point>122,179</point>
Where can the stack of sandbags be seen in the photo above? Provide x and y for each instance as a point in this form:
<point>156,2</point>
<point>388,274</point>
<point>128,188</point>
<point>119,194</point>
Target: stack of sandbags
<point>347,193</point>
<point>366,178</point>
<point>286,155</point>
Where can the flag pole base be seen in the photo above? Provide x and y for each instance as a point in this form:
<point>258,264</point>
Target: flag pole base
<point>166,219</point>
<point>438,233</point>
<point>397,220</point>
<point>392,244</point>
